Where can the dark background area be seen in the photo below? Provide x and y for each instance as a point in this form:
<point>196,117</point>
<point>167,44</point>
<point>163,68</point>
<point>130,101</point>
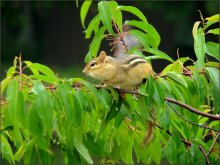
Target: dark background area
<point>51,33</point>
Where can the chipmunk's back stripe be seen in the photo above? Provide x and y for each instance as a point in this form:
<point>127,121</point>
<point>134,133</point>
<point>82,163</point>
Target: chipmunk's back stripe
<point>133,59</point>
<point>139,60</point>
<point>135,63</point>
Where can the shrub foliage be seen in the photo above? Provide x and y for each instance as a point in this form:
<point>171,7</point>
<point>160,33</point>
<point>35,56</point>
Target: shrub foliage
<point>172,117</point>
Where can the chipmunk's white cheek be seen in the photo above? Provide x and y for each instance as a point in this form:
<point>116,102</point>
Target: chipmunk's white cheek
<point>92,74</point>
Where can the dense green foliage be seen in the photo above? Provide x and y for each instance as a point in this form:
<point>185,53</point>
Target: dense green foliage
<point>40,111</point>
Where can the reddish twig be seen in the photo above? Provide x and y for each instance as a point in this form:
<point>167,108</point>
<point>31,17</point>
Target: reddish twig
<point>214,117</point>
<point>121,36</point>
<point>20,72</point>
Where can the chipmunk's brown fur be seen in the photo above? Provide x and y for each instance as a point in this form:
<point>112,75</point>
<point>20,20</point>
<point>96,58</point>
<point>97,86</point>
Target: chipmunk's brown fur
<point>126,73</point>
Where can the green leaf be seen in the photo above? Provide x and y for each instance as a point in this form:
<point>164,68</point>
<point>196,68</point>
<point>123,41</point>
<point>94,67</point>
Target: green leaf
<point>211,20</point>
<point>199,48</point>
<point>81,148</point>
<point>93,26</point>
<point>30,154</point>
<point>21,114</point>
<point>134,11</point>
<point>149,29</point>
<point>45,70</point>
<point>11,71</point>
<point>11,95</point>
<point>45,156</point>
<point>94,46</point>
<point>116,14</point>
<point>159,54</point>
<point>165,119</point>
<point>6,150</point>
<point>216,97</point>
<point>170,151</point>
<point>140,36</point>
<point>160,88</point>
<point>20,152</point>
<point>195,29</point>
<point>36,127</point>
<point>42,78</point>
<point>212,64</point>
<point>196,155</point>
<point>155,150</point>
<point>34,71</point>
<point>214,31</point>
<point>67,100</point>
<point>126,150</point>
<point>106,15</point>
<point>176,66</point>
<point>177,78</point>
<point>214,18</point>
<point>44,105</point>
<point>212,49</point>
<point>214,75</point>
<point>83,11</point>
<point>4,84</point>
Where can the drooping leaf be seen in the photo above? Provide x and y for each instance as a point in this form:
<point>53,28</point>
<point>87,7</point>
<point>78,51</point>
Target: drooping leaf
<point>199,48</point>
<point>4,84</point>
<point>106,15</point>
<point>93,26</point>
<point>30,154</point>
<point>214,31</point>
<point>21,114</point>
<point>170,151</point>
<point>81,148</point>
<point>149,29</point>
<point>159,54</point>
<point>155,150</point>
<point>11,71</point>
<point>134,11</point>
<point>6,150</point>
<point>177,78</point>
<point>94,46</point>
<point>211,20</point>
<point>195,29</point>
<point>214,75</point>
<point>116,14</point>
<point>140,36</point>
<point>45,70</point>
<point>213,49</point>
<point>84,10</point>
<point>33,70</point>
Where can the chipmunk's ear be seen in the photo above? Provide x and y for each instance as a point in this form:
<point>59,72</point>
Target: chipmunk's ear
<point>102,56</point>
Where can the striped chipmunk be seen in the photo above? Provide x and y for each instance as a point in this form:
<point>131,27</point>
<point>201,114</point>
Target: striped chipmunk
<point>126,73</point>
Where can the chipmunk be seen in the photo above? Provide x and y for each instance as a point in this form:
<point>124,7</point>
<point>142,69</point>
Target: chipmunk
<point>127,73</point>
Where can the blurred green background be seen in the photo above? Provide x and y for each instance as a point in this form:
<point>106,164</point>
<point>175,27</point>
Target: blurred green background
<point>51,33</point>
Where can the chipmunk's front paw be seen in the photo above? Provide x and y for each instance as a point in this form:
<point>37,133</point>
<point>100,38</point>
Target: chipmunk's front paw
<point>101,85</point>
<point>117,87</point>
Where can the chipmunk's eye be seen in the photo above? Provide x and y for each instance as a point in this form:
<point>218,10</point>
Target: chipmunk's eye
<point>93,63</point>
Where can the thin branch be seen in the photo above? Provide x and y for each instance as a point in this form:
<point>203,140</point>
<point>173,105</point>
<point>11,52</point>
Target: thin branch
<point>204,153</point>
<point>210,149</point>
<point>214,117</point>
<point>202,126</point>
<point>20,72</point>
<point>121,36</point>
